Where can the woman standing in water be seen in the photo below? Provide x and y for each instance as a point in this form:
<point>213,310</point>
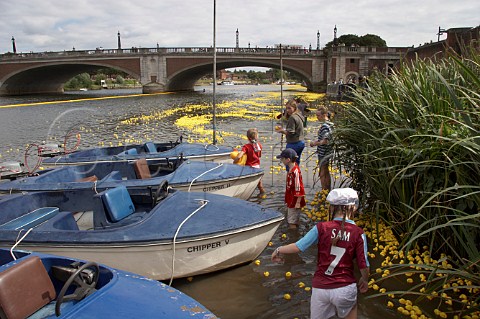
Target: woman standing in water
<point>294,130</point>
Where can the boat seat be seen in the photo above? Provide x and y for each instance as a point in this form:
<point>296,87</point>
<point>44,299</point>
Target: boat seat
<point>131,151</point>
<point>63,221</point>
<point>150,147</point>
<point>141,169</point>
<point>112,176</point>
<point>31,219</point>
<point>25,288</point>
<point>92,178</point>
<point>118,203</point>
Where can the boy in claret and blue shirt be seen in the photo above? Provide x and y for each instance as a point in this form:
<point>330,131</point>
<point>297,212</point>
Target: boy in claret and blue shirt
<point>339,243</point>
<point>294,192</point>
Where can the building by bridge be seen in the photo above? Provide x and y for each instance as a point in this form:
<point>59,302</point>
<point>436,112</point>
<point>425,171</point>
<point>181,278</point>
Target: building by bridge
<point>177,69</point>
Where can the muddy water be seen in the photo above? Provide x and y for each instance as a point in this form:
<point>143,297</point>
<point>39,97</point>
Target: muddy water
<point>242,292</point>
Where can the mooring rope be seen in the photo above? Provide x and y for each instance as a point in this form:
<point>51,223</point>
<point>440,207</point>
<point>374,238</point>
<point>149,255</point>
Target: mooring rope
<point>204,203</point>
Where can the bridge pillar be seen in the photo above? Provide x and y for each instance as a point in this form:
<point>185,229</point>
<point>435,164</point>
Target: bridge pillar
<point>318,80</point>
<point>153,73</point>
<point>153,87</point>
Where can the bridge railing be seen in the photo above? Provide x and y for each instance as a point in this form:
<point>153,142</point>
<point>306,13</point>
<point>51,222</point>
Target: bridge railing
<point>159,50</point>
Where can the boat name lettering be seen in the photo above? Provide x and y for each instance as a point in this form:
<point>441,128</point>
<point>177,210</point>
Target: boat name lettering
<point>216,188</point>
<point>207,246</point>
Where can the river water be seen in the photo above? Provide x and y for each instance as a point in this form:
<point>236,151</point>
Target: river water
<point>110,117</point>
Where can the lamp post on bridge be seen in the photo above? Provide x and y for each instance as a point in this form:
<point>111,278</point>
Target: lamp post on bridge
<point>14,47</point>
<point>118,41</point>
<point>318,40</point>
<point>237,43</point>
<point>335,40</point>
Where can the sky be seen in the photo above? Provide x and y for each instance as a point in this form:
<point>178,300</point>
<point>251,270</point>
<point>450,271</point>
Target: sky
<point>58,25</point>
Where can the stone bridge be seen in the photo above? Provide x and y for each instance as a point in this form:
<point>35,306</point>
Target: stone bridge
<point>177,69</point>
<point>157,69</point>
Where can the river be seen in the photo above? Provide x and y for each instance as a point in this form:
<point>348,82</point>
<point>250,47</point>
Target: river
<point>122,116</point>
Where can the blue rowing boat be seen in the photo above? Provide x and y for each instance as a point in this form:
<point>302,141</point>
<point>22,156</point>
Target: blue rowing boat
<point>152,152</point>
<point>175,234</point>
<point>37,285</point>
<point>140,176</point>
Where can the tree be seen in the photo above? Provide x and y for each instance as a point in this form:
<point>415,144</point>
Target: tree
<point>119,79</point>
<point>80,81</point>
<point>99,77</point>
<point>370,40</point>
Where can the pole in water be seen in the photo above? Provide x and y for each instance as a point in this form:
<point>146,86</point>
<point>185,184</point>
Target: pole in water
<point>281,90</point>
<point>281,76</point>
<point>214,139</point>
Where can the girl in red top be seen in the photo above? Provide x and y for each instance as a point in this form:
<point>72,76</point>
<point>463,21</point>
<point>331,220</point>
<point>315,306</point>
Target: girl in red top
<point>253,149</point>
<point>294,192</point>
<point>339,242</point>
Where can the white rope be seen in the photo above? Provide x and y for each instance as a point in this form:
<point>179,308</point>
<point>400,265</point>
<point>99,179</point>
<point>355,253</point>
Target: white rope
<point>95,187</point>
<point>19,241</point>
<point>216,148</point>
<point>204,203</point>
<point>190,186</point>
<point>59,158</point>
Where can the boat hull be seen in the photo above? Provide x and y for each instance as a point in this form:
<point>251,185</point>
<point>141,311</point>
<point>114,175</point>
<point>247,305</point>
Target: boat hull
<point>191,176</point>
<point>164,260</point>
<point>242,188</point>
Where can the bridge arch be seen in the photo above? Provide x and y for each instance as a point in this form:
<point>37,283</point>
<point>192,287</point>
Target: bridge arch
<point>184,78</point>
<point>50,77</point>
<point>352,75</point>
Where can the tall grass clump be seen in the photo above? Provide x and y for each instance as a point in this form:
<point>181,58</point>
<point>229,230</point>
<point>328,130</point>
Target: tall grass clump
<point>412,146</point>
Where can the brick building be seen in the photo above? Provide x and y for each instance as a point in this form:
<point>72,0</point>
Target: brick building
<point>457,39</point>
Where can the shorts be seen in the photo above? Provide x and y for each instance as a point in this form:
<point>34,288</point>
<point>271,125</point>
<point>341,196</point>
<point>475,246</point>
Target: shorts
<point>293,215</point>
<point>324,160</point>
<point>325,303</point>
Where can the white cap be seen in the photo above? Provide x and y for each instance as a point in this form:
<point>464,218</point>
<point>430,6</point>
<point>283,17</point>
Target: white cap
<point>343,196</point>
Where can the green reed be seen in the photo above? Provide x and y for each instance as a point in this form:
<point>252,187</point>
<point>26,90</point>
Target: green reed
<point>412,146</point>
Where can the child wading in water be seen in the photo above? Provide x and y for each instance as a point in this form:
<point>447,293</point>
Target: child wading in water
<point>339,242</point>
<point>324,147</point>
<point>294,192</point>
<point>253,150</point>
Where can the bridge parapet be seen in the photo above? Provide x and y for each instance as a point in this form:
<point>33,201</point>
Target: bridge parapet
<point>100,52</point>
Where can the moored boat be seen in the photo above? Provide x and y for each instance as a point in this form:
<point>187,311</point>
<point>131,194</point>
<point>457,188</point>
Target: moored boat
<point>226,82</point>
<point>152,152</point>
<point>184,234</point>
<point>37,285</point>
<point>139,176</point>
